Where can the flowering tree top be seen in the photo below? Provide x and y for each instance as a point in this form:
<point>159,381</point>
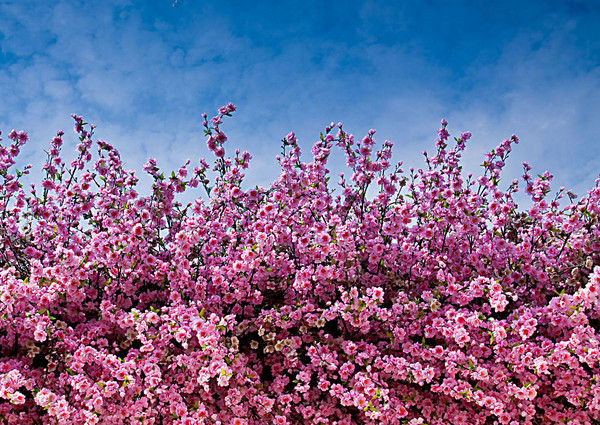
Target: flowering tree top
<point>436,301</point>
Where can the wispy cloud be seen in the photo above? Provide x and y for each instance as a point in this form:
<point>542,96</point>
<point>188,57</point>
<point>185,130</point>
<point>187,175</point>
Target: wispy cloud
<point>144,71</point>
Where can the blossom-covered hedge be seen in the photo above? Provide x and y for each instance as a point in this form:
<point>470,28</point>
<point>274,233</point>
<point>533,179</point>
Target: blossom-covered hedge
<point>434,301</point>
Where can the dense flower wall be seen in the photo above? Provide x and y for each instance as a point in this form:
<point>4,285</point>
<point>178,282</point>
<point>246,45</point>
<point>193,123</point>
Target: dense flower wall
<point>436,301</point>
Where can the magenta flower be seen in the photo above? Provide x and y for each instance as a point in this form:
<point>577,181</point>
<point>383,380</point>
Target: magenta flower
<point>392,298</point>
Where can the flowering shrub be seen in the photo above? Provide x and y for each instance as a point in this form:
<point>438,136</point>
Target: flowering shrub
<point>436,301</point>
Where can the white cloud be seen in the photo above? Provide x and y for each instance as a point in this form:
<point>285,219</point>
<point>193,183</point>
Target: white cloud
<point>145,83</point>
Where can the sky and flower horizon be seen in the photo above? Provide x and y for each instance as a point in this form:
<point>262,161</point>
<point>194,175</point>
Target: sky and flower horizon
<point>143,72</point>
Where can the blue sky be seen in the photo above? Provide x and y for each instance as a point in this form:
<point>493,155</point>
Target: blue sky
<point>145,71</point>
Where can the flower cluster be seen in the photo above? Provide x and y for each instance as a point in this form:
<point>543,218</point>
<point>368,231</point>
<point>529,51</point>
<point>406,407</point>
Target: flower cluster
<point>391,297</point>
